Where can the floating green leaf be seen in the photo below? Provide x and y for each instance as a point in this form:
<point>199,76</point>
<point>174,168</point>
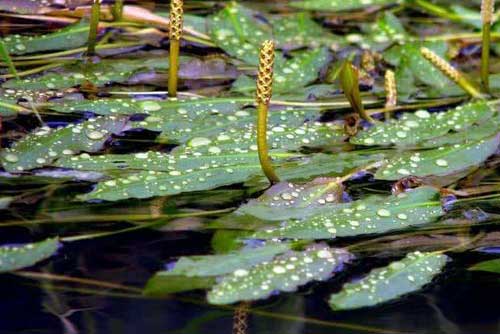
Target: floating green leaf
<point>184,109</point>
<point>398,278</point>
<point>26,255</point>
<point>287,200</point>
<point>414,128</point>
<point>441,161</point>
<point>46,145</point>
<point>216,265</point>
<point>284,273</point>
<point>375,214</point>
<point>67,38</point>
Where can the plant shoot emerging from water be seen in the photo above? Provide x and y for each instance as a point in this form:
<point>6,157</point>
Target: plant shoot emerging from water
<point>487,9</point>
<point>349,81</point>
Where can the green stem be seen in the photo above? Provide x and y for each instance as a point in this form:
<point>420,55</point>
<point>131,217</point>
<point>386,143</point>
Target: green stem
<point>485,56</point>
<point>4,53</point>
<point>32,71</point>
<point>173,68</point>
<point>117,10</point>
<point>265,163</point>
<point>94,24</point>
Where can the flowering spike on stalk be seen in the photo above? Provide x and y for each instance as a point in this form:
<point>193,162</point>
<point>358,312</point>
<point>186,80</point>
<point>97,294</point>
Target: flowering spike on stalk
<point>391,93</point>
<point>94,24</point>
<point>487,10</point>
<point>175,34</point>
<point>264,94</point>
<point>349,81</point>
<point>450,72</point>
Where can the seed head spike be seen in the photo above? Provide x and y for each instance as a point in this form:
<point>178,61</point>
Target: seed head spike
<point>487,10</point>
<point>265,76</point>
<point>176,19</point>
<point>450,72</point>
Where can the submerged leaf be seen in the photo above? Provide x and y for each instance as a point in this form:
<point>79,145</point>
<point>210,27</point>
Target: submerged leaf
<point>238,31</point>
<point>284,273</point>
<point>441,161</point>
<point>45,145</point>
<point>398,278</point>
<point>26,255</point>
<point>375,214</point>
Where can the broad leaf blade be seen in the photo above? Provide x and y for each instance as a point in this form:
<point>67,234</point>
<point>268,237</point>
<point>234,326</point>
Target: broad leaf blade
<point>442,161</point>
<point>46,145</point>
<point>375,214</point>
<point>284,273</point>
<point>384,284</point>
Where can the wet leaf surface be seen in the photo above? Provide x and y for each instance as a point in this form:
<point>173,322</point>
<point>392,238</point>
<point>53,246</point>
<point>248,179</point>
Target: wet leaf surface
<point>25,255</point>
<point>384,284</point>
<point>284,273</point>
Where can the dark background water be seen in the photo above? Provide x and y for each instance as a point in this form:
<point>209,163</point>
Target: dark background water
<point>458,302</point>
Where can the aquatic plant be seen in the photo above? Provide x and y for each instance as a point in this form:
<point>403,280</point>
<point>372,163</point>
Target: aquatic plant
<point>263,98</point>
<point>254,176</point>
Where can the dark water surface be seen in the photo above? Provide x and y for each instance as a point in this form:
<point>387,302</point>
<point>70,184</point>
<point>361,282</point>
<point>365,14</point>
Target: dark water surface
<point>459,302</point>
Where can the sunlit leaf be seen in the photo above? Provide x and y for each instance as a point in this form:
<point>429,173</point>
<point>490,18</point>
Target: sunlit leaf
<point>151,183</point>
<point>384,284</point>
<point>182,109</point>
<point>161,285</point>
<point>298,30</point>
<point>287,200</point>
<point>441,161</point>
<point>284,273</point>
<point>45,145</point>
<point>25,255</point>
<point>375,214</point>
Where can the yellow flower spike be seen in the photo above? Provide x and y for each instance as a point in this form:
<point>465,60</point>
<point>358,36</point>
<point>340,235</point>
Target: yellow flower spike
<point>175,34</point>
<point>487,10</point>
<point>263,97</point>
<point>450,72</point>
<point>391,93</point>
